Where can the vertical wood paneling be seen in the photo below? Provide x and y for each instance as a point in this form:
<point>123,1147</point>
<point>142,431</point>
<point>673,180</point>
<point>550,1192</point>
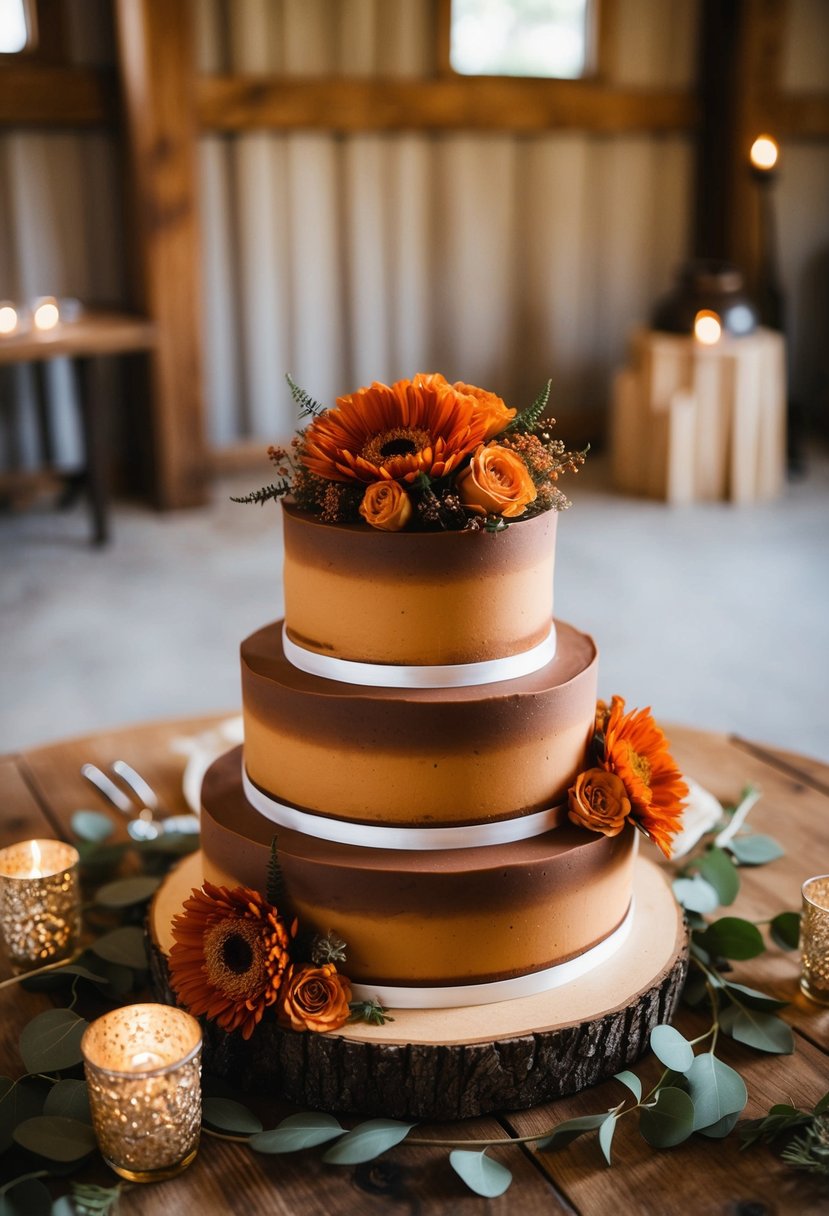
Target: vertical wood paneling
<point>156,56</point>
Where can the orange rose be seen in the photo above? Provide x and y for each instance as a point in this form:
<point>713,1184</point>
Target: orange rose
<point>314,998</point>
<point>496,482</point>
<point>489,407</point>
<point>386,505</point>
<point>598,801</point>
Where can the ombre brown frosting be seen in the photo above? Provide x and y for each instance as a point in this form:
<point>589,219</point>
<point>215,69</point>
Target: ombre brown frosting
<point>357,593</point>
<point>415,756</point>
<point>542,900</point>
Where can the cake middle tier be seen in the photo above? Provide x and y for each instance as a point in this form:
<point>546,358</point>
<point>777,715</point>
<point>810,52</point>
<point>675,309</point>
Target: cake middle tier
<point>417,757</point>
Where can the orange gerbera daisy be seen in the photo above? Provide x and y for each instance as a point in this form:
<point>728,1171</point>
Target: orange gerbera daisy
<point>636,750</point>
<point>229,956</point>
<point>394,432</point>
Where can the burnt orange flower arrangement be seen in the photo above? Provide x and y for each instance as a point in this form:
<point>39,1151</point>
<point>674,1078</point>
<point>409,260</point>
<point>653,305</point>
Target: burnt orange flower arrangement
<point>635,777</point>
<point>235,956</point>
<point>422,454</point>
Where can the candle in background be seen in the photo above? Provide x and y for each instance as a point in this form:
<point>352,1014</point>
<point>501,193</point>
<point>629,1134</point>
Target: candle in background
<point>40,905</point>
<point>143,1072</point>
<point>814,939</point>
<point>46,313</point>
<point>9,318</point>
<point>764,153</point>
<point>707,327</point>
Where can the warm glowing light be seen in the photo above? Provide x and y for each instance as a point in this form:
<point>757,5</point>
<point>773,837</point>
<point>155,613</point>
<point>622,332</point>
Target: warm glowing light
<point>764,153</point>
<point>46,314</point>
<point>8,318</point>
<point>37,859</point>
<point>707,327</point>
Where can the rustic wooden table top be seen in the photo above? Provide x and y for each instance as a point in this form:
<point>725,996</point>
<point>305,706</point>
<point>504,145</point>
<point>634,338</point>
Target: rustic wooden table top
<point>41,788</point>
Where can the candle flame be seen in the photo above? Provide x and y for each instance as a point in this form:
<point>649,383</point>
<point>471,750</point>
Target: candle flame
<point>707,327</point>
<point>764,153</point>
<point>34,849</point>
<point>8,319</point>
<point>46,315</point>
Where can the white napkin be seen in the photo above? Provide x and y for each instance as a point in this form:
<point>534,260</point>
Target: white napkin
<point>201,750</point>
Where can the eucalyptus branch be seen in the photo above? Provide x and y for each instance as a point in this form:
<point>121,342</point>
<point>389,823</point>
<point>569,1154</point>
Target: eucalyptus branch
<point>44,970</point>
<point>749,799</point>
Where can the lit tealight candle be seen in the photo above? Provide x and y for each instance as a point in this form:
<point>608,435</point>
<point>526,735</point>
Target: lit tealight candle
<point>764,153</point>
<point>46,313</point>
<point>143,1073</point>
<point>9,318</point>
<point>707,327</point>
<point>39,902</point>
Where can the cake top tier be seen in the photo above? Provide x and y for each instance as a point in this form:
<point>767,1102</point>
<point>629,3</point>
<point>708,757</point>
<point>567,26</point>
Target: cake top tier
<point>422,455</point>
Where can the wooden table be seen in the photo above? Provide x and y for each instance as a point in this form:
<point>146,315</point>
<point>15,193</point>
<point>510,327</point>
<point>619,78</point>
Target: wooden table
<point>94,334</point>
<point>41,787</point>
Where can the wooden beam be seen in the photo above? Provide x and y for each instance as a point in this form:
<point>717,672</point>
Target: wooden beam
<point>33,94</point>
<point>799,115</point>
<point>243,103</point>
<point>156,56</point>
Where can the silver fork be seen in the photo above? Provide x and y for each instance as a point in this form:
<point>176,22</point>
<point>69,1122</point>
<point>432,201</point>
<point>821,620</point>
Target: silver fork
<point>141,813</point>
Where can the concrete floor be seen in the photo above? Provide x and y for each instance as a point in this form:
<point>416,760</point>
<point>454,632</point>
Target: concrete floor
<point>714,615</point>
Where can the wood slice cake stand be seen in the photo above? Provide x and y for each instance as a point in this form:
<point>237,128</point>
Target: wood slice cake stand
<point>446,1064</point>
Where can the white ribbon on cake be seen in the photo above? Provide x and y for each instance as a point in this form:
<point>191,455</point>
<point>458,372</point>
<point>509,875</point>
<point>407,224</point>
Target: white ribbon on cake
<point>401,997</point>
<point>383,836</point>
<point>448,675</point>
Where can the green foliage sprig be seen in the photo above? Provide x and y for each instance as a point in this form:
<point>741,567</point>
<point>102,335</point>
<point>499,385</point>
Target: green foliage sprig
<point>371,1012</point>
<point>805,1133</point>
<point>277,489</point>
<point>307,405</point>
<point>528,420</point>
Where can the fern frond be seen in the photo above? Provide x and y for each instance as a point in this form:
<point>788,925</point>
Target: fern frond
<point>308,407</point>
<point>529,418</point>
<point>276,490</point>
<point>276,883</point>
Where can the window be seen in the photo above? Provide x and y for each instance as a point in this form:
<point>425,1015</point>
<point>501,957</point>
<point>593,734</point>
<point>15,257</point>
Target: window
<point>15,34</point>
<point>549,38</point>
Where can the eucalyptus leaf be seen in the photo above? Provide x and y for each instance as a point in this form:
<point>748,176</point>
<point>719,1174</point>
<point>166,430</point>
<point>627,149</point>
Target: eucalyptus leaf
<point>70,1099</point>
<point>785,930</point>
<point>92,826</point>
<point>230,1116</point>
<point>753,998</point>
<point>125,892</point>
<point>670,1120</point>
<point>716,1090</point>
<point>121,979</point>
<point>480,1173</point>
<point>64,1207</point>
<point>758,1029</point>
<point>671,1048</point>
<point>695,991</point>
<point>732,937</point>
<point>822,1105</point>
<point>568,1131</point>
<point>632,1082</point>
<point>124,946</point>
<point>56,1138</point>
<point>606,1131</point>
<point>98,856</point>
<point>18,1101</point>
<point>696,894</point>
<point>90,1198</point>
<point>717,868</point>
<point>756,850</point>
<point>297,1132</point>
<point>29,1197</point>
<point>60,975</point>
<point>52,1041</point>
<point>367,1141</point>
<point>721,1129</point>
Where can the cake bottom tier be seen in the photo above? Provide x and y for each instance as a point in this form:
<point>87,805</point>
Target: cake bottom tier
<point>438,919</point>
<point>456,1063</point>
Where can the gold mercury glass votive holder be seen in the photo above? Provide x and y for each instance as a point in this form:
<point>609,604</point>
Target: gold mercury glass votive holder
<point>814,939</point>
<point>40,902</point>
<point>143,1074</point>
